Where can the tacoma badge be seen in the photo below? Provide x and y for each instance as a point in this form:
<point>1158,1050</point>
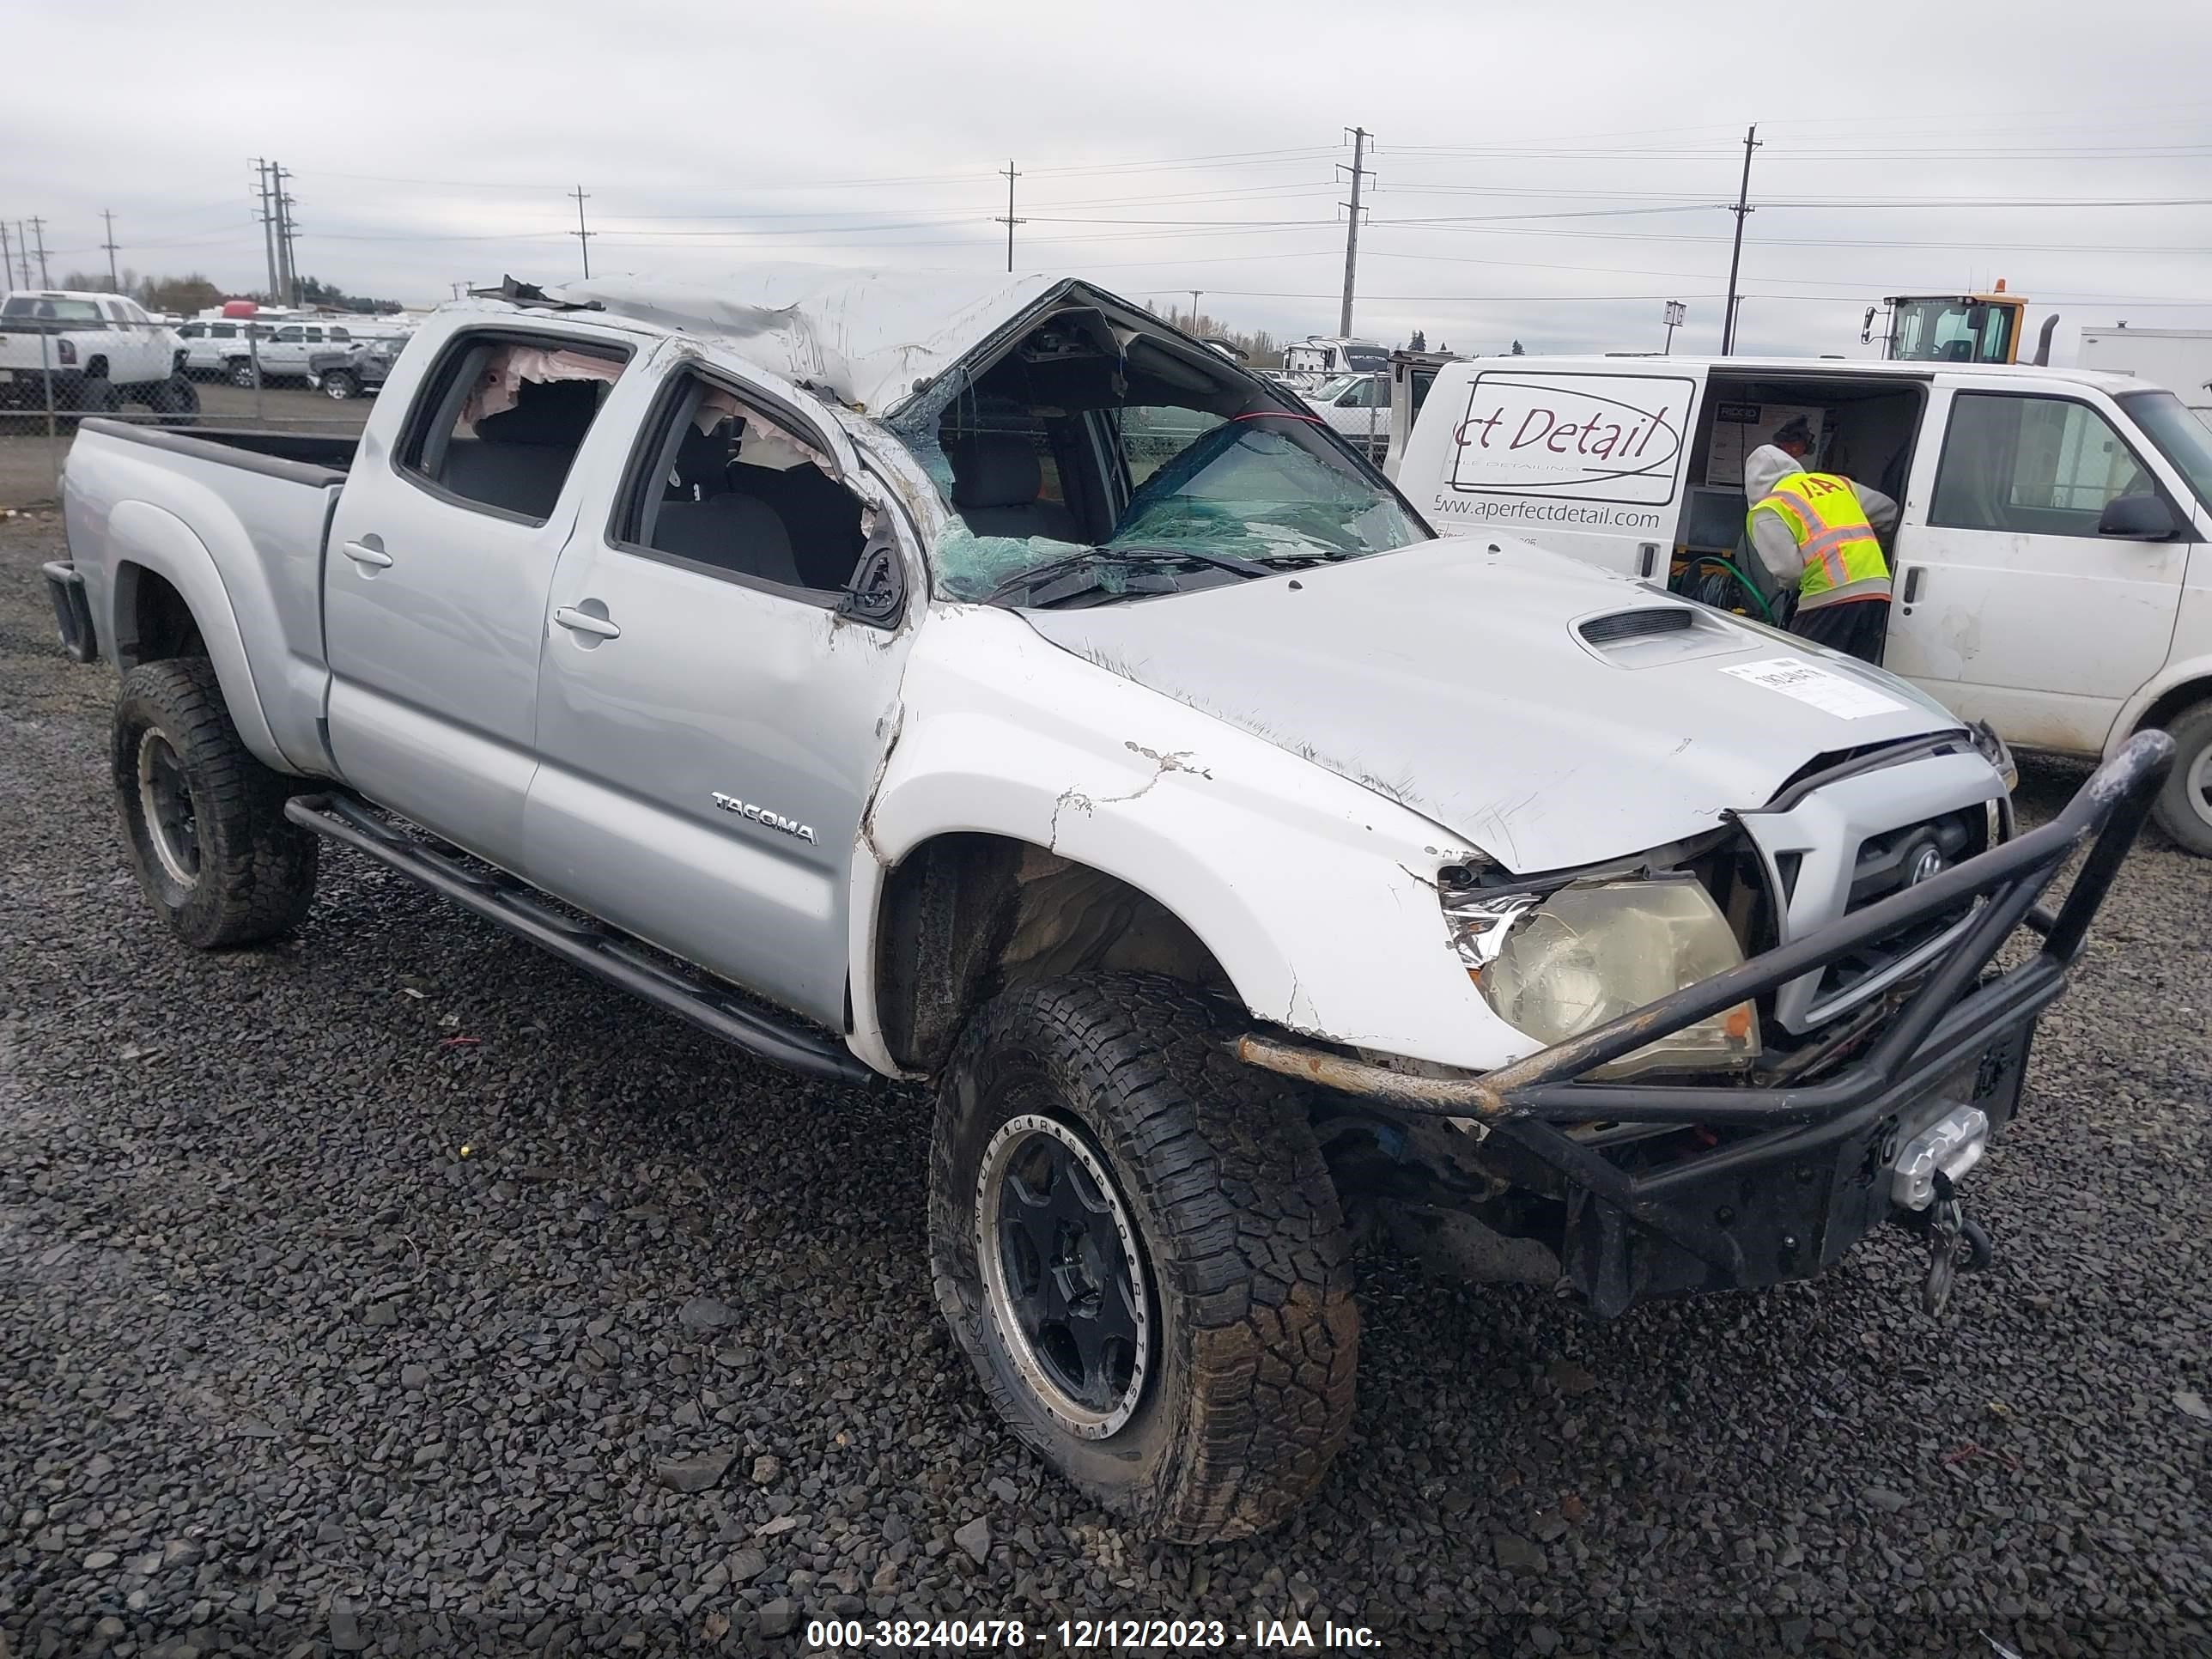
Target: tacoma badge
<point>761,815</point>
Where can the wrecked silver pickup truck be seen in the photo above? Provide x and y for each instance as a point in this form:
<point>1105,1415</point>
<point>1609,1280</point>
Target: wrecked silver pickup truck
<point>1002,690</point>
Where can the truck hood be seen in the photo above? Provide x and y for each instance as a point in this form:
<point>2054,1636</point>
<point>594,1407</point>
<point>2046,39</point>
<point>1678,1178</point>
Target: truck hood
<point>1456,678</point>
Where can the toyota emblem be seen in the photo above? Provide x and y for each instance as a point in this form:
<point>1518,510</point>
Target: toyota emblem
<point>1927,862</point>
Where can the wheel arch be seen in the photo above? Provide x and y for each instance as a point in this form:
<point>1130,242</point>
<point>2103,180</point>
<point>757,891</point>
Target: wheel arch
<point>168,600</point>
<point>964,914</point>
<point>2182,686</point>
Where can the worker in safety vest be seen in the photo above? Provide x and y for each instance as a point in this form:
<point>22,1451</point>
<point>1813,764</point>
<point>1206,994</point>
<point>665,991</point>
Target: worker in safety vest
<point>1815,531</point>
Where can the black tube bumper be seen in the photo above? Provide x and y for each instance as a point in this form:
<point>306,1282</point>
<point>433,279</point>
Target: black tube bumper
<point>72,609</point>
<point>1806,1173</point>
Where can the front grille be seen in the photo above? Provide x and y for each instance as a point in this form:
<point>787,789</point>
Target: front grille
<point>1891,862</point>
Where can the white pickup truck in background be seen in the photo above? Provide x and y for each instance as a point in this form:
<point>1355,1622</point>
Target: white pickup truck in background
<point>88,354</point>
<point>2052,559</point>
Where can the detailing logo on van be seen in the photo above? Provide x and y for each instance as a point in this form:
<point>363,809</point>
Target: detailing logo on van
<point>1593,437</point>
<point>759,814</point>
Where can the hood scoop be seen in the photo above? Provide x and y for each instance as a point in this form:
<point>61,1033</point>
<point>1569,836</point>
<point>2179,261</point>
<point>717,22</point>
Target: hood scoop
<point>1651,634</point>
<point>1636,624</point>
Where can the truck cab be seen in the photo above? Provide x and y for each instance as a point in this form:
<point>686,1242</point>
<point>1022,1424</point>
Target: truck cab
<point>2049,563</point>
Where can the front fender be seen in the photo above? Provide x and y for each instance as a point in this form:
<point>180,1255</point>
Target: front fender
<point>1316,896</point>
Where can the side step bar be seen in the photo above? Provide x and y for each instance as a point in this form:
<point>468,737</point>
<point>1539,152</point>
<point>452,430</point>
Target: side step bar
<point>593,946</point>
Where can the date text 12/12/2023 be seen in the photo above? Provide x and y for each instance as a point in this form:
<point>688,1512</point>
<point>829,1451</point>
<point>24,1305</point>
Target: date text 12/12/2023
<point>1087,1635</point>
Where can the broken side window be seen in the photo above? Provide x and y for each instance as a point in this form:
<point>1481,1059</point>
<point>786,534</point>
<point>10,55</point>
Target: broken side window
<point>500,421</point>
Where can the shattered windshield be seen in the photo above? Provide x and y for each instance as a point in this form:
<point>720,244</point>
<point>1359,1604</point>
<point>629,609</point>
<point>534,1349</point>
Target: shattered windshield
<point>1266,487</point>
<point>1090,464</point>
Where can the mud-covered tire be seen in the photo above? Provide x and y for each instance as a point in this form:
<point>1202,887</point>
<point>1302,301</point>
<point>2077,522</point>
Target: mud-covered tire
<point>1247,1390</point>
<point>2184,806</point>
<point>176,400</point>
<point>98,395</point>
<point>204,819</point>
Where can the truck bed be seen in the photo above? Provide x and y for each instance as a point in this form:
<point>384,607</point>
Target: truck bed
<point>309,458</point>
<point>235,522</point>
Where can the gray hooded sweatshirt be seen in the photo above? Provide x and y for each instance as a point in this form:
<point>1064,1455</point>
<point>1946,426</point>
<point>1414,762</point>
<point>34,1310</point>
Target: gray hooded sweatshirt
<point>1764,468</point>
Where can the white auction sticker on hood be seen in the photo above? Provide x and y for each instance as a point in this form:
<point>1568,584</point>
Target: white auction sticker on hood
<point>1823,688</point>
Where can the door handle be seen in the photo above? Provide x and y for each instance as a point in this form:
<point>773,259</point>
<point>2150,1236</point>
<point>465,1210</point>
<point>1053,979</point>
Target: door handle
<point>583,621</point>
<point>1912,584</point>
<point>366,552</point>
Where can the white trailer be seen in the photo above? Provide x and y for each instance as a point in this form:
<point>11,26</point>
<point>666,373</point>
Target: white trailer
<point>2178,359</point>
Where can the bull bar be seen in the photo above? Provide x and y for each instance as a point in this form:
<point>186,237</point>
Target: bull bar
<point>1958,1021</point>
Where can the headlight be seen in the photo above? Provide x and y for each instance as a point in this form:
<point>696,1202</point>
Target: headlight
<point>1557,966</point>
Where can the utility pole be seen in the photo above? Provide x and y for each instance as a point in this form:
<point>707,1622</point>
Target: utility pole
<point>115,282</point>
<point>267,218</point>
<point>287,268</point>
<point>23,251</point>
<point>1010,222</point>
<point>1743,209</point>
<point>583,235</point>
<point>6,255</point>
<point>1194,292</point>
<point>38,230</point>
<point>1359,136</point>
<point>458,287</point>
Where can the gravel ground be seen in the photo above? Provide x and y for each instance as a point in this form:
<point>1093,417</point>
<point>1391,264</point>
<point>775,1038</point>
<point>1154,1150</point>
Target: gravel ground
<point>380,1289</point>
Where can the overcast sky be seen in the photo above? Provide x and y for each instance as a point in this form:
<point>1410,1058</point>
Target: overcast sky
<point>1548,173</point>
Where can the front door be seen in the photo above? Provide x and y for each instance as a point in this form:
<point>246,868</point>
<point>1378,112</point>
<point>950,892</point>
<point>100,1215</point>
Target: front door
<point>436,570</point>
<point>710,726</point>
<point>2007,605</point>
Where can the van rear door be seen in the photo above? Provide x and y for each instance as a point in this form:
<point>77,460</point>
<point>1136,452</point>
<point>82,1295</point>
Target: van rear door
<point>1588,462</point>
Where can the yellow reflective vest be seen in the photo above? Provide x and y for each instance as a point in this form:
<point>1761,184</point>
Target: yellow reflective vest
<point>1823,513</point>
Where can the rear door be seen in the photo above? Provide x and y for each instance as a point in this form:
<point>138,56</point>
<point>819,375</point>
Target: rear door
<point>710,721</point>
<point>2007,603</point>
<point>436,570</point>
<point>1586,462</point>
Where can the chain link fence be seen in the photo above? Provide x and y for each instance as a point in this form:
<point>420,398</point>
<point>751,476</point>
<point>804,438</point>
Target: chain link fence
<point>87,359</point>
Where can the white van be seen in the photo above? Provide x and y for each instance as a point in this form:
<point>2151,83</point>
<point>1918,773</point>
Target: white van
<point>1326,355</point>
<point>2051,564</point>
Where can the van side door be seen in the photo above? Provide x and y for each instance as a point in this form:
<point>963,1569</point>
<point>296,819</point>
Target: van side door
<point>2009,603</point>
<point>713,703</point>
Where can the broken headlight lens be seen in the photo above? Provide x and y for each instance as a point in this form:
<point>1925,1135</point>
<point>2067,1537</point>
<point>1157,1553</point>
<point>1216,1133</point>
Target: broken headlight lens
<point>1555,966</point>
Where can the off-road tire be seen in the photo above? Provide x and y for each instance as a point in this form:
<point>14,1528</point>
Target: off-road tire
<point>96,396</point>
<point>2181,808</point>
<point>1255,1334</point>
<point>176,400</point>
<point>256,869</point>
